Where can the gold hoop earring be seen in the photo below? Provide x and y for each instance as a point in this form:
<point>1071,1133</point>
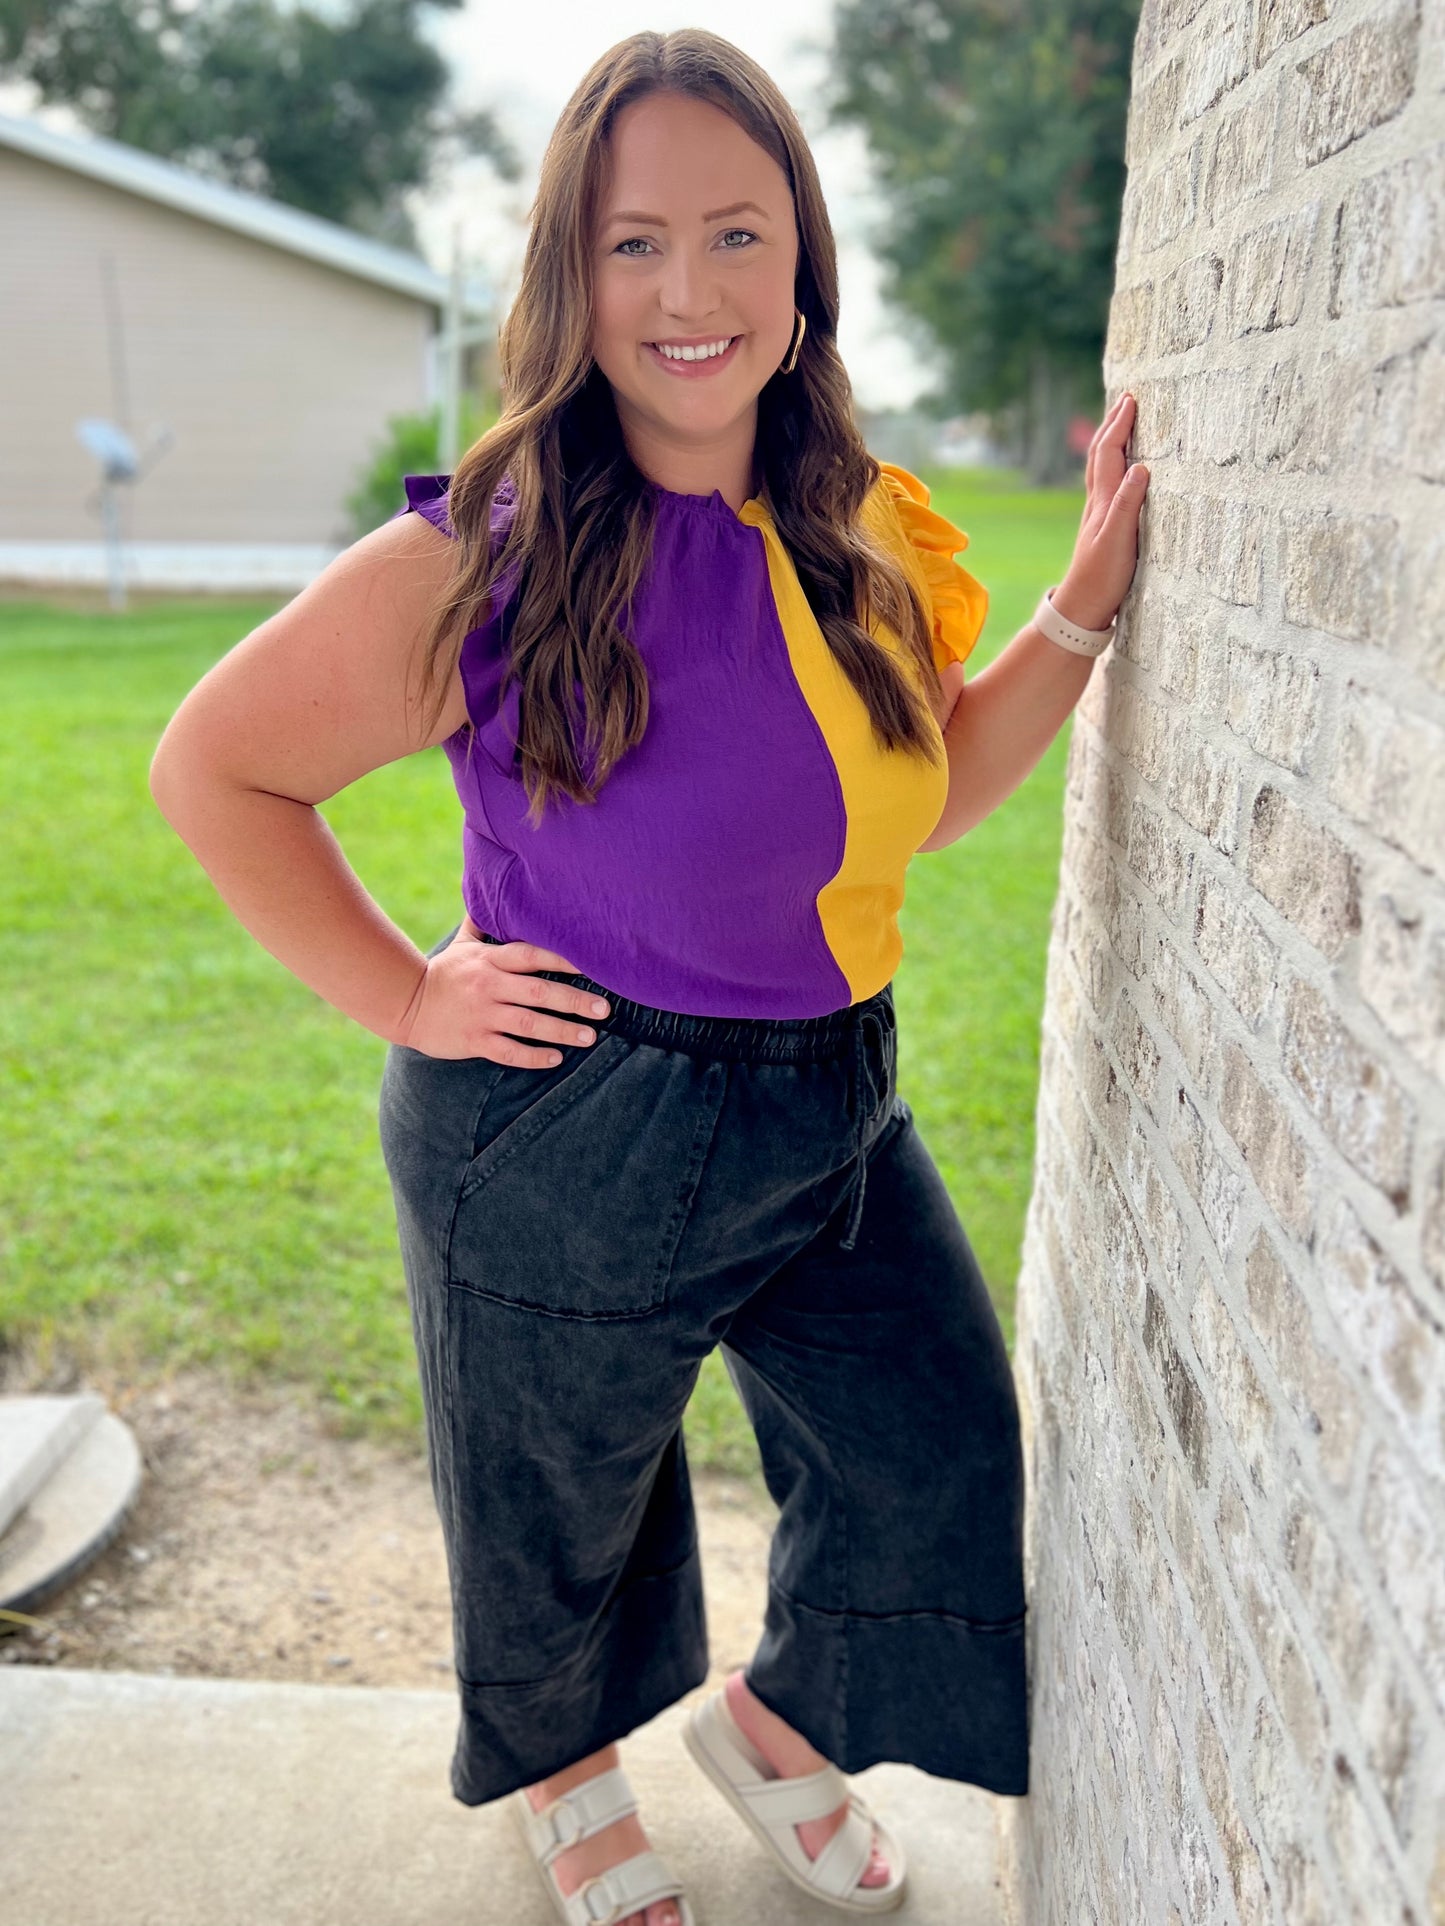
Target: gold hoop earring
<point>797,342</point>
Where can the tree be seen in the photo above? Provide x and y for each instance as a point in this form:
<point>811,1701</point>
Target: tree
<point>997,130</point>
<point>339,116</point>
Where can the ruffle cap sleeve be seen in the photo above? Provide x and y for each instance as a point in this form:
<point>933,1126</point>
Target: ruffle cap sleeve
<point>427,494</point>
<point>959,600</point>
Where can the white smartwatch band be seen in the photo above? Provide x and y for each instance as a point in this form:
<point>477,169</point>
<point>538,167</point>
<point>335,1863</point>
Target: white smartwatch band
<point>1069,635</point>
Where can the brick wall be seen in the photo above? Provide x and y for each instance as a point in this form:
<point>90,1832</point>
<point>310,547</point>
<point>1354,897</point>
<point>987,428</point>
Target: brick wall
<point>1231,1350</point>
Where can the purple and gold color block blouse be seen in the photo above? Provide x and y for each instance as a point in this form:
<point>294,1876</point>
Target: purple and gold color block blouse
<point>747,857</point>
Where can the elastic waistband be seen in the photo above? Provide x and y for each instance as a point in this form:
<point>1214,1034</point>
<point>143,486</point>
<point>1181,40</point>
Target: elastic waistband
<point>815,1039</point>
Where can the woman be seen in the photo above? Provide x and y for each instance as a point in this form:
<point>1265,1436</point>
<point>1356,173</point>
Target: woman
<point>696,660</point>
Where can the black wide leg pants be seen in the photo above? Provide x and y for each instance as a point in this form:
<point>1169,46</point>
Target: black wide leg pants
<point>575,1240</point>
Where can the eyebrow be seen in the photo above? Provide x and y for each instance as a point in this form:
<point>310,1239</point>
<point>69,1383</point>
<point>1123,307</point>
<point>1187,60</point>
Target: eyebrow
<point>656,220</point>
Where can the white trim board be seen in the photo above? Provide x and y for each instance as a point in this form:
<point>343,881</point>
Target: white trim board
<point>207,567</point>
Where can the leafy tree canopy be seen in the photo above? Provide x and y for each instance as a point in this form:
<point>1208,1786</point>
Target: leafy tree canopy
<point>997,132</point>
<point>338,114</point>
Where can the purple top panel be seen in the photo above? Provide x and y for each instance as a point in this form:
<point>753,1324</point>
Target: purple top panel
<point>692,883</point>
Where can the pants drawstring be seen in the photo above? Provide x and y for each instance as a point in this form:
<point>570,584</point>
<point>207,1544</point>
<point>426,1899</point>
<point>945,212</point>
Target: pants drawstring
<point>864,1114</point>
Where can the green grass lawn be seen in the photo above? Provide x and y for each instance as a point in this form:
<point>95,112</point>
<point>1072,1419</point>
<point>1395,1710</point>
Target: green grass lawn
<point>189,1164</point>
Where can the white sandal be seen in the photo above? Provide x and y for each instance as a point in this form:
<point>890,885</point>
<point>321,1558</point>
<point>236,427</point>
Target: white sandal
<point>629,1887</point>
<point>773,1806</point>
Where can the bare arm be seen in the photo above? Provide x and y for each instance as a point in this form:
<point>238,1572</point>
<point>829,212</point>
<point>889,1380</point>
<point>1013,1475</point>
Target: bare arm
<point>1001,725</point>
<point>324,691</point>
<point>321,693</point>
<point>1004,719</point>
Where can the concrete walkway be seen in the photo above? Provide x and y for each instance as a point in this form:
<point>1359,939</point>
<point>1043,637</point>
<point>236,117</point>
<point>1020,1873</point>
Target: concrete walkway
<point>133,1800</point>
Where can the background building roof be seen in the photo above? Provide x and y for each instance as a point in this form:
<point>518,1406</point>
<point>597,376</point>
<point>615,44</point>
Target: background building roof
<point>180,187</point>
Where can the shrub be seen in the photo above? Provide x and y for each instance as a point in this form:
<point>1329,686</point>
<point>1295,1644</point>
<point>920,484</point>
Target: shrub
<point>408,447</point>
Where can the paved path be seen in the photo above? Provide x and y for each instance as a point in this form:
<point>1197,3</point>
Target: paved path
<point>133,1800</point>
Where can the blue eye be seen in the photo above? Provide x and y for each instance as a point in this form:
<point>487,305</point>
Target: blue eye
<point>641,240</point>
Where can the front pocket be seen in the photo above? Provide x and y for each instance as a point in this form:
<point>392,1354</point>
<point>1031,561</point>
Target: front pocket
<point>577,1204</point>
<point>526,1098</point>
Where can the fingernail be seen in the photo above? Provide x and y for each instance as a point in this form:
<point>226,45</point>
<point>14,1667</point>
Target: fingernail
<point>599,1008</point>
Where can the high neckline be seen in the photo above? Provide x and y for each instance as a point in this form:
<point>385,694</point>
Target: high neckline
<point>715,503</point>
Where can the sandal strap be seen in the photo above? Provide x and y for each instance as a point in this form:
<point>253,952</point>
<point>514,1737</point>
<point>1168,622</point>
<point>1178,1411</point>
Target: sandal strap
<point>579,1813</point>
<point>790,1802</point>
<point>843,1861</point>
<point>622,1889</point>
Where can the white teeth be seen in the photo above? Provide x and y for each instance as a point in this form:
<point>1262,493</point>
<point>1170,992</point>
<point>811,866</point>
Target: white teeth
<point>696,354</point>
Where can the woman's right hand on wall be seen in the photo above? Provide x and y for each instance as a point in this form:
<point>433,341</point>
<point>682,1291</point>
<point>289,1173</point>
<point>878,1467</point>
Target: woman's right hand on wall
<point>1106,553</point>
<point>476,999</point>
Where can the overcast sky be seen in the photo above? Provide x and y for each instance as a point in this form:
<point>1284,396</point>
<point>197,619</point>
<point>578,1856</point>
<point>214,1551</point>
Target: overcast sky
<point>525,61</point>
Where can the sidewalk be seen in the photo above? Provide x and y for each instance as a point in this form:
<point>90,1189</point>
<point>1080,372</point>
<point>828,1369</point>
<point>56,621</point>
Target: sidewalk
<point>133,1800</point>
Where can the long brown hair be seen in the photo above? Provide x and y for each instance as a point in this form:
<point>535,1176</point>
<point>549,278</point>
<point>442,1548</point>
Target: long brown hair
<point>581,532</point>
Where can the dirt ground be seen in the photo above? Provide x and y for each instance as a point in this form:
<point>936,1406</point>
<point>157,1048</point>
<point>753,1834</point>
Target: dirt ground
<point>261,1546</point>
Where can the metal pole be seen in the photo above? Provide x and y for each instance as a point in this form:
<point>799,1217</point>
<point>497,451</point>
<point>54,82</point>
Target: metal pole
<point>450,431</point>
<point>110,511</point>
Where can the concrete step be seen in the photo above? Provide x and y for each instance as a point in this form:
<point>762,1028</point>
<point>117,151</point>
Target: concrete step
<point>70,1470</point>
<point>133,1800</point>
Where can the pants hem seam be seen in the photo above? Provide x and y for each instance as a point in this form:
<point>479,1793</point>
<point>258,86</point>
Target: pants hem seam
<point>986,1625</point>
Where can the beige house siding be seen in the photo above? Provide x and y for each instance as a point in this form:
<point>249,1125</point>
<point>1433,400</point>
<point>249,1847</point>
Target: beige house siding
<point>274,373</point>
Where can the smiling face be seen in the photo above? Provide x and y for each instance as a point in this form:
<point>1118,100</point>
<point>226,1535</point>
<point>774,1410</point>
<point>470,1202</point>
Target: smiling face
<point>681,261</point>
